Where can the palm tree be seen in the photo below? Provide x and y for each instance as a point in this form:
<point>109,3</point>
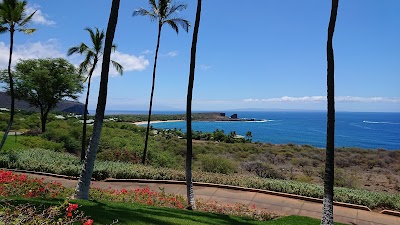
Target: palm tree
<point>189,144</point>
<point>82,188</point>
<point>13,18</point>
<point>92,56</point>
<point>164,13</point>
<point>327,214</point>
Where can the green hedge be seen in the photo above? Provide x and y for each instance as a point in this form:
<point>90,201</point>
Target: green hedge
<point>67,164</point>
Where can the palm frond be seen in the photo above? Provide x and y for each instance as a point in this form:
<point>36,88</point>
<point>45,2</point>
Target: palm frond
<point>153,4</point>
<point>27,19</point>
<point>175,8</point>
<point>114,47</point>
<point>118,67</point>
<point>144,12</point>
<point>3,29</point>
<point>174,22</point>
<point>26,31</point>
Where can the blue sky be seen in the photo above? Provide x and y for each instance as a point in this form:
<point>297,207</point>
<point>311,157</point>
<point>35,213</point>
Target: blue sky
<point>254,54</point>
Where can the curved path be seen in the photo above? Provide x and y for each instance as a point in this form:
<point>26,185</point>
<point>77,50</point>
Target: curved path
<point>272,203</point>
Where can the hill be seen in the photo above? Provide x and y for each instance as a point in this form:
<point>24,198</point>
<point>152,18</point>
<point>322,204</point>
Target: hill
<point>64,106</point>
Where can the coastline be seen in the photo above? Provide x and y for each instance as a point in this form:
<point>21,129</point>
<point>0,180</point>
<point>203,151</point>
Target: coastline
<point>157,121</point>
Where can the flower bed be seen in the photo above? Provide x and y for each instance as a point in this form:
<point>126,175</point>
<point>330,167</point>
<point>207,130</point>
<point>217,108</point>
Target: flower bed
<point>61,163</point>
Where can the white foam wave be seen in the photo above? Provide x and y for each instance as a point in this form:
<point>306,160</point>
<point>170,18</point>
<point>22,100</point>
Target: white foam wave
<point>378,122</point>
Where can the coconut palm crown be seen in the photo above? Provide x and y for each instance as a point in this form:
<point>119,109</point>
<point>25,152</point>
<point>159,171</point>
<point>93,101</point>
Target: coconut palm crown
<point>92,56</point>
<point>164,12</point>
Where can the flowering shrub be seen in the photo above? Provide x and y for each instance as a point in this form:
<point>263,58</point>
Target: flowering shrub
<point>12,184</point>
<point>161,199</point>
<point>29,214</point>
<point>60,163</point>
<point>238,209</point>
<point>139,195</point>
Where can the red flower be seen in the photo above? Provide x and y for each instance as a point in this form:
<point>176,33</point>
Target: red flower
<point>88,222</point>
<point>72,207</point>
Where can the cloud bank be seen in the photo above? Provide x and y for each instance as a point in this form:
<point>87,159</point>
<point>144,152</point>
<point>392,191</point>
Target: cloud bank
<point>316,99</point>
<point>51,49</point>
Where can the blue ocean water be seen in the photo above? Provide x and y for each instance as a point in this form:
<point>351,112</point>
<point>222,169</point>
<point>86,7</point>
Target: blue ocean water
<point>353,129</point>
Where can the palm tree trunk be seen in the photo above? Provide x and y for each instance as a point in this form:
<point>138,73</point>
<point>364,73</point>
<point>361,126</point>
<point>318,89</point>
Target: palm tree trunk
<point>12,109</point>
<point>84,128</point>
<point>327,214</point>
<point>151,96</point>
<point>83,186</point>
<point>189,144</point>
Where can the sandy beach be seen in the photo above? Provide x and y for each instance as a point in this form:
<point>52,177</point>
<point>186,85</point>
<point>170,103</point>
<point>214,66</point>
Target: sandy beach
<point>157,121</point>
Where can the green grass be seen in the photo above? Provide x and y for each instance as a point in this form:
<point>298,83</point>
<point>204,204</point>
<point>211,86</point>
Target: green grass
<point>12,143</point>
<point>131,213</point>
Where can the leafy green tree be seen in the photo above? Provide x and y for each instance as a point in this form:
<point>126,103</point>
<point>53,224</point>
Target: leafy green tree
<point>327,214</point>
<point>45,82</point>
<point>164,13</point>
<point>83,186</point>
<point>13,18</point>
<point>189,143</point>
<point>249,135</point>
<point>92,55</point>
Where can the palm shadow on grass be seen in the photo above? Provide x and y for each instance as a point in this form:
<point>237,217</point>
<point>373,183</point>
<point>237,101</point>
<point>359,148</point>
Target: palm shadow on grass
<point>132,213</point>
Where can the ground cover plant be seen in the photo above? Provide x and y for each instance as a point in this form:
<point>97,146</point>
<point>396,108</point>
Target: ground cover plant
<point>17,185</point>
<point>110,206</point>
<point>67,164</point>
<point>288,168</point>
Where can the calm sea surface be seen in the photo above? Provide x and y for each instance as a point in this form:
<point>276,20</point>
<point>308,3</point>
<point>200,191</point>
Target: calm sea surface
<point>364,130</point>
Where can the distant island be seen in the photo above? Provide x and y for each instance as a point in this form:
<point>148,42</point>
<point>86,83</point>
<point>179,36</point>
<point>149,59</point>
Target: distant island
<point>218,116</point>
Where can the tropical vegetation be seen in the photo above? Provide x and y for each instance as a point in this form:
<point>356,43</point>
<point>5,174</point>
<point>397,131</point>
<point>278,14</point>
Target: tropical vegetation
<point>45,82</point>
<point>92,57</point>
<point>13,18</point>
<point>163,12</point>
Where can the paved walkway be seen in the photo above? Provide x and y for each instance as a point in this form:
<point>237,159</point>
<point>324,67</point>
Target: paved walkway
<point>272,203</point>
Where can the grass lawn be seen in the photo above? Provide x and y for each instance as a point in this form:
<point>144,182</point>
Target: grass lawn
<point>131,213</point>
<point>12,142</point>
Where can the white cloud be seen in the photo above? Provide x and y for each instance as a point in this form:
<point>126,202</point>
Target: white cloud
<point>30,51</point>
<point>172,54</point>
<point>205,67</point>
<point>314,99</point>
<point>147,52</point>
<point>129,62</point>
<point>39,17</point>
<point>51,49</point>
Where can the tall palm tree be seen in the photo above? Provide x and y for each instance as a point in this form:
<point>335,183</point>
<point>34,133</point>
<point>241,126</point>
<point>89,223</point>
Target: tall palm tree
<point>327,214</point>
<point>164,13</point>
<point>13,18</point>
<point>189,144</point>
<point>92,56</point>
<point>83,186</point>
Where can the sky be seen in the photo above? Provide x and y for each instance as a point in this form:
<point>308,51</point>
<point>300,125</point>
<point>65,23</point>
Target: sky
<point>258,54</point>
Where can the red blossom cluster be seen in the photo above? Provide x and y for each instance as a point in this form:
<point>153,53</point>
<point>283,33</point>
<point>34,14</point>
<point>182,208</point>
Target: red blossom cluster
<point>12,184</point>
<point>141,195</point>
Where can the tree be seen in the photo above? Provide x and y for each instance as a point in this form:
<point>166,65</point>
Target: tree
<point>327,214</point>
<point>92,56</point>
<point>13,18</point>
<point>83,186</point>
<point>45,82</point>
<point>164,13</point>
<point>249,135</point>
<point>189,144</point>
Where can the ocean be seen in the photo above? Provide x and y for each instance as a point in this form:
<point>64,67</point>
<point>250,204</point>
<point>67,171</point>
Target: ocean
<point>353,129</point>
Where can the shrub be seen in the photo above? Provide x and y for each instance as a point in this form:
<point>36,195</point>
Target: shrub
<point>38,142</point>
<point>216,164</point>
<point>263,169</point>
